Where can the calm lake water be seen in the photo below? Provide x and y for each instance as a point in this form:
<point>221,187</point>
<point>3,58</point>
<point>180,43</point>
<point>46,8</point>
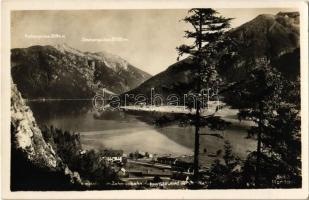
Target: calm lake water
<point>131,133</point>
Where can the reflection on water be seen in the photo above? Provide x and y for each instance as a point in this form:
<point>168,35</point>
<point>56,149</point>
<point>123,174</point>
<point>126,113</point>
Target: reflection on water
<point>44,111</point>
<point>129,133</point>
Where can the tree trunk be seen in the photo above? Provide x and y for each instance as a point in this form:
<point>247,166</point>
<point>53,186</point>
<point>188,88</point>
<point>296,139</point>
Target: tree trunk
<point>197,114</point>
<point>258,150</point>
<point>196,145</point>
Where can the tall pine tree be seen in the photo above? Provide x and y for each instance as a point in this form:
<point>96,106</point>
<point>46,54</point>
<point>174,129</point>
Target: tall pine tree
<point>207,33</point>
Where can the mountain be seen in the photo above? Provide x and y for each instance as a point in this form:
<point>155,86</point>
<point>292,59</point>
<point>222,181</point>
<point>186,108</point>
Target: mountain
<point>274,35</point>
<point>268,34</point>
<point>176,79</point>
<point>61,71</point>
<point>34,163</point>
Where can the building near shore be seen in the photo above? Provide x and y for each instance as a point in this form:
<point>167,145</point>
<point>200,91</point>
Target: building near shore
<point>112,155</point>
<point>166,160</point>
<point>177,164</point>
<point>183,166</point>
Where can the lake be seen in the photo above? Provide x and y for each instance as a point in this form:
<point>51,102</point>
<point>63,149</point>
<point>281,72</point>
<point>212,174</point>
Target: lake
<point>130,133</point>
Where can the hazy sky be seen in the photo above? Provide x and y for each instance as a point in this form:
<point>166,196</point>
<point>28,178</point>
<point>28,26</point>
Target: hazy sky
<point>146,38</point>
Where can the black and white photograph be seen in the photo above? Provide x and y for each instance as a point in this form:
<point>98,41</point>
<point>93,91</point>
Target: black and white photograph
<point>200,99</point>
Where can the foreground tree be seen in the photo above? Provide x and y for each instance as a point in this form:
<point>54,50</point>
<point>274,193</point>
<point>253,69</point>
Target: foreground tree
<point>267,100</point>
<point>207,33</point>
<point>88,164</point>
<point>227,174</point>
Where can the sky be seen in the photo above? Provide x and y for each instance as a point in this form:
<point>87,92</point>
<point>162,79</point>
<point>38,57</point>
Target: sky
<point>145,38</point>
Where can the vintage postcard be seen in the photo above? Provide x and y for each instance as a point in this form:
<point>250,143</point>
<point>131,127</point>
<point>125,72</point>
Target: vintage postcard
<point>154,100</point>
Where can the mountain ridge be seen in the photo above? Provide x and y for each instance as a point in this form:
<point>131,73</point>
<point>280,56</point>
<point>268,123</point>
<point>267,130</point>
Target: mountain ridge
<point>274,35</point>
<point>61,71</point>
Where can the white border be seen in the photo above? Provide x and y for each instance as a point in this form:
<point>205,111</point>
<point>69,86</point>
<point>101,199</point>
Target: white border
<point>7,6</point>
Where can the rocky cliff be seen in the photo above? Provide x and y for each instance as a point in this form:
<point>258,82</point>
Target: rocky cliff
<point>34,163</point>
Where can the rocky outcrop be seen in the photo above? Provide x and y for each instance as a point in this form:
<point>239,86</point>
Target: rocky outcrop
<point>31,154</point>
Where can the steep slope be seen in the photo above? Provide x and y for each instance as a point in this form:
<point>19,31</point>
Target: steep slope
<point>34,163</point>
<point>175,79</point>
<point>63,72</point>
<point>276,36</point>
